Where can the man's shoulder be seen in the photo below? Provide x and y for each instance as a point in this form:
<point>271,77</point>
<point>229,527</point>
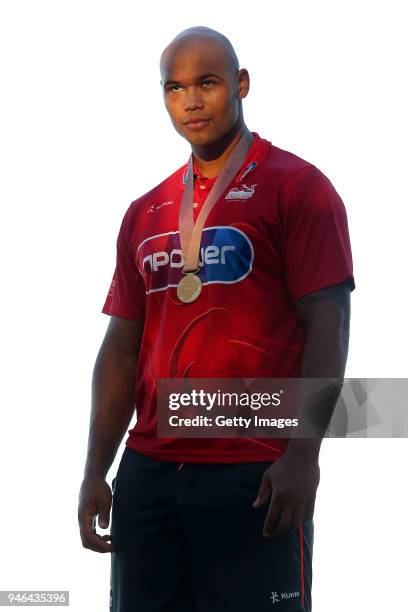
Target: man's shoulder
<point>159,195</point>
<point>284,164</point>
<point>299,180</point>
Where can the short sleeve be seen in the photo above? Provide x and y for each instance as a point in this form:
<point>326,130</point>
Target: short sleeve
<point>316,248</point>
<point>127,296</point>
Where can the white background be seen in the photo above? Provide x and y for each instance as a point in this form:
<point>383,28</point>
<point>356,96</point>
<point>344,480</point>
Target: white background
<point>83,133</point>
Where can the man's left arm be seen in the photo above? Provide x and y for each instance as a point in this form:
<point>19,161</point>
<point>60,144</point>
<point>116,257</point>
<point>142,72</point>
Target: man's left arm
<point>292,480</point>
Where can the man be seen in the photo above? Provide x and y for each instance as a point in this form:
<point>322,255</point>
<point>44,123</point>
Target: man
<point>215,524</point>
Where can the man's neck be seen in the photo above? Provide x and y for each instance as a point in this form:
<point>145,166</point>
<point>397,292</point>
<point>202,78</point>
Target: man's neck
<point>210,160</point>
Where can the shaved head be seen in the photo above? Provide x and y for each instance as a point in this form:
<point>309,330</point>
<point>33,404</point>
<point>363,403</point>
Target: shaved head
<point>203,87</point>
<point>191,37</point>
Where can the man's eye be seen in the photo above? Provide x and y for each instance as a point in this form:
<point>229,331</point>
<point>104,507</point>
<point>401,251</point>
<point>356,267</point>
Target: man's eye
<point>208,81</point>
<point>175,87</point>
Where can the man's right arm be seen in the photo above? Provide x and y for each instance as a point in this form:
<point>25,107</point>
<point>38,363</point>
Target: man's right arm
<point>113,400</point>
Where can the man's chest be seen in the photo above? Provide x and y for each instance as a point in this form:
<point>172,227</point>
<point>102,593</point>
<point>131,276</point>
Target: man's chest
<point>238,229</point>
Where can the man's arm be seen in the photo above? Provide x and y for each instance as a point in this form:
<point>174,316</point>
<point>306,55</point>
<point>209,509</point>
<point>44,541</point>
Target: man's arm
<point>326,317</point>
<point>294,478</point>
<point>113,402</point>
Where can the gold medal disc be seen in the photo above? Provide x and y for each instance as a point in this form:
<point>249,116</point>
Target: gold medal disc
<point>189,288</point>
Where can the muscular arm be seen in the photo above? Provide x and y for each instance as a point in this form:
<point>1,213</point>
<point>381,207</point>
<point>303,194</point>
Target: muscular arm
<point>292,480</point>
<point>112,408</point>
<point>112,393</point>
<point>326,317</point>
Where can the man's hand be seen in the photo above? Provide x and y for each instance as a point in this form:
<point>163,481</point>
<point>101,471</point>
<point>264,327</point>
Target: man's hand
<point>293,480</point>
<point>95,498</point>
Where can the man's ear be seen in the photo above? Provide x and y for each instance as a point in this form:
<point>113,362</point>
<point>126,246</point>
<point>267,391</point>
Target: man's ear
<point>243,82</point>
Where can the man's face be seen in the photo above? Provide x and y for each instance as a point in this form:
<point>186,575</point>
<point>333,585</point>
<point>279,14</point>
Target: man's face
<point>201,91</point>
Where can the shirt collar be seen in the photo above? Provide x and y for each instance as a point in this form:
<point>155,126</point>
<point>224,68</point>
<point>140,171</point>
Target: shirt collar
<point>200,177</point>
<point>258,151</point>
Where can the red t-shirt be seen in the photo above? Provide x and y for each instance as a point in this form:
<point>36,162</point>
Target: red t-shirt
<point>278,232</point>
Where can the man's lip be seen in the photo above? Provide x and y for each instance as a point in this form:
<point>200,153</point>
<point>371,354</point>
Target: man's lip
<point>193,121</point>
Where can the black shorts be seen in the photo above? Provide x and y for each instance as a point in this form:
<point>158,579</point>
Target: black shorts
<point>187,539</point>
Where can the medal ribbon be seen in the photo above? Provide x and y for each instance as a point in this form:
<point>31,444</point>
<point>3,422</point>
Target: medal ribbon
<point>190,232</point>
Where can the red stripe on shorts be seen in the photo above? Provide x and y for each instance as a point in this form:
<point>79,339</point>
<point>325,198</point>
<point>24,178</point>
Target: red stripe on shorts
<point>302,578</point>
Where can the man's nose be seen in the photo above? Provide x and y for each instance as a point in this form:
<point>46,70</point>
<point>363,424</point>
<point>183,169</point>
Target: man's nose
<point>192,99</point>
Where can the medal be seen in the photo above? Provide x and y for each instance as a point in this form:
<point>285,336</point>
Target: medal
<point>189,287</point>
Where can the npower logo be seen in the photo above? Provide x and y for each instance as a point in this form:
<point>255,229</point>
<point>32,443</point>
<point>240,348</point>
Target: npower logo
<point>226,256</point>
